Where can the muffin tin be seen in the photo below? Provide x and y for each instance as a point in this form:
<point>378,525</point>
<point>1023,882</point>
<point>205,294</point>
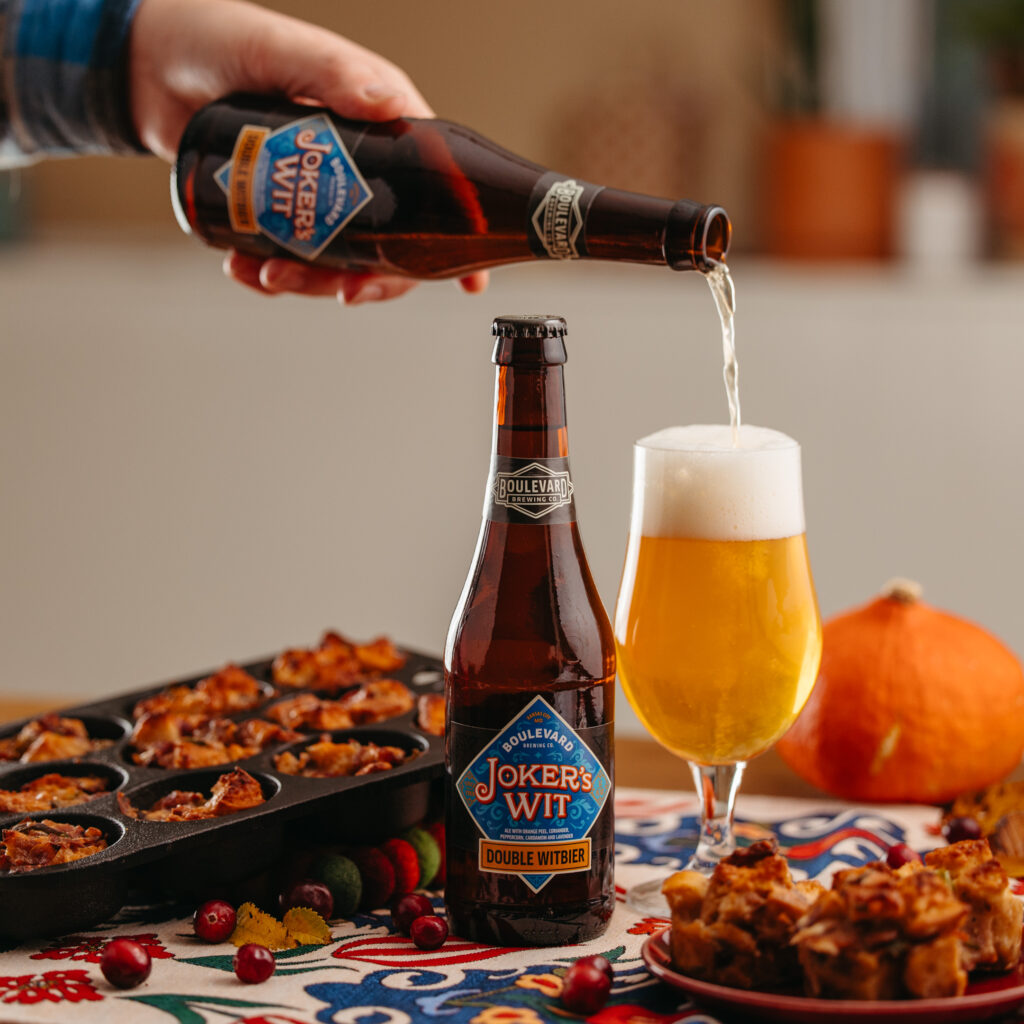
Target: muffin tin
<point>179,857</point>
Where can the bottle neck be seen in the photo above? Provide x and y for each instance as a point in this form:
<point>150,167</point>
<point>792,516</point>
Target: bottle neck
<point>529,413</point>
<point>634,228</point>
<point>530,485</point>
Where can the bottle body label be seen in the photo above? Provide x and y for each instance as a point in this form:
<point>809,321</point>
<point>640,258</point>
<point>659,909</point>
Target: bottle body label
<point>529,491</point>
<point>559,208</point>
<point>298,184</point>
<point>534,790</point>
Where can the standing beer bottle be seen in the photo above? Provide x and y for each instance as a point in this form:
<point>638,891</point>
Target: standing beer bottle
<point>529,682</point>
<point>419,197</point>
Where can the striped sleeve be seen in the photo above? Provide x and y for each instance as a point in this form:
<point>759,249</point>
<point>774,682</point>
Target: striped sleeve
<point>64,85</point>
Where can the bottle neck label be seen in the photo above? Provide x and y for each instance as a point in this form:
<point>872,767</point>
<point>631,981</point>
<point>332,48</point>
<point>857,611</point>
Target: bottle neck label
<point>534,790</point>
<point>298,184</point>
<point>558,211</point>
<point>536,491</point>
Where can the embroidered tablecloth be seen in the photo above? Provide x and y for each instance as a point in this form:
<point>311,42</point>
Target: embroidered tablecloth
<point>372,975</point>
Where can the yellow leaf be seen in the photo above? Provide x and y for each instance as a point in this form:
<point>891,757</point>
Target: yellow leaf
<point>307,927</point>
<point>253,925</point>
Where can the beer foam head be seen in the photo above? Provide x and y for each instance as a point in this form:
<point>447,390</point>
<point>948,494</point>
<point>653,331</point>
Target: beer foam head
<point>691,482</point>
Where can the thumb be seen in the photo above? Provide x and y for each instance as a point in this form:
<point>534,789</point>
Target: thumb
<point>308,62</point>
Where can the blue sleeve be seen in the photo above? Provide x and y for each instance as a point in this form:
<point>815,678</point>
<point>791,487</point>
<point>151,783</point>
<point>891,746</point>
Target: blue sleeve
<point>63,78</point>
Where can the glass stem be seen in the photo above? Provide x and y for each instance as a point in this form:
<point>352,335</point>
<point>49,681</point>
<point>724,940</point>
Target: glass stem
<point>716,786</point>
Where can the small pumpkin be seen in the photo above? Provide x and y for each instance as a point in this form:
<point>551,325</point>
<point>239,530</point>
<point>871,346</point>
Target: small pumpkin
<point>912,704</point>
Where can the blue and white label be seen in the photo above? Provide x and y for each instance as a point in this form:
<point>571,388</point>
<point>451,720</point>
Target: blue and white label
<point>535,791</point>
<point>298,185</point>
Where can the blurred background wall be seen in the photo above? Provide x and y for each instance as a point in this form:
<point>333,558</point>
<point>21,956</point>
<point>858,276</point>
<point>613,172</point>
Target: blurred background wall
<point>191,473</point>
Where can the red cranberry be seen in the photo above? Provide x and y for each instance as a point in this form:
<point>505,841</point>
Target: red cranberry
<point>585,988</point>
<point>429,931</point>
<point>407,908</point>
<point>214,921</point>
<point>124,963</point>
<point>958,829</point>
<point>254,963</point>
<point>900,854</point>
<point>314,895</point>
<point>600,963</point>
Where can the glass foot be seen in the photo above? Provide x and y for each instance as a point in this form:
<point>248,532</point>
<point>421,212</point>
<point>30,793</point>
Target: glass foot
<point>646,899</point>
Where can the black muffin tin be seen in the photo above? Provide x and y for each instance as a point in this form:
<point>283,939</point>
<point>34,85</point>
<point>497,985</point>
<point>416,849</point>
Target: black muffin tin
<point>185,857</point>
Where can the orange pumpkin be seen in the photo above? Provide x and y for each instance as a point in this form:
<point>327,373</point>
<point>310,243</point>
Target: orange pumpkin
<point>912,704</point>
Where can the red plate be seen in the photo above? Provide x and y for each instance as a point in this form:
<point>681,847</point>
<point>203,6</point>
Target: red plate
<point>984,1000</point>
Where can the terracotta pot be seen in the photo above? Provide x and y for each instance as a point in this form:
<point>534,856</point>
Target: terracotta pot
<point>1004,178</point>
<point>829,191</point>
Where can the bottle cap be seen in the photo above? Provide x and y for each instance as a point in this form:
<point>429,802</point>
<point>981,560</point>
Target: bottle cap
<point>529,325</point>
<point>529,339</point>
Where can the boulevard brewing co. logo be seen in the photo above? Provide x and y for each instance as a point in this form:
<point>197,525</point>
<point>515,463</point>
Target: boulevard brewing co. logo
<point>535,792</point>
<point>534,489</point>
<point>558,221</point>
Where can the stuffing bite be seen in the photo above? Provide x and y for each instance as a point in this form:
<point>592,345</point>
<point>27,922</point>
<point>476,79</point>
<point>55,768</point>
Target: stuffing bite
<point>30,845</point>
<point>880,933</point>
<point>734,928</point>
<point>232,792</point>
<point>375,701</point>
<point>335,663</point>
<point>430,713</point>
<point>168,740</point>
<point>52,791</point>
<point>225,692</point>
<point>325,759</point>
<point>992,928</point>
<point>50,738</point>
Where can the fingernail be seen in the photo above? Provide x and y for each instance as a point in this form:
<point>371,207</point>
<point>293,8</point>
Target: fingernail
<point>283,277</point>
<point>378,92</point>
<point>368,293</point>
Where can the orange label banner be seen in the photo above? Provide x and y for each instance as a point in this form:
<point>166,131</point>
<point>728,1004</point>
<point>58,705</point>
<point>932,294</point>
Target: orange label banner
<point>243,165</point>
<point>534,858</point>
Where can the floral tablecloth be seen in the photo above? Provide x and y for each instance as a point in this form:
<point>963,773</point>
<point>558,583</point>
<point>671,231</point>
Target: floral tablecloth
<point>372,975</point>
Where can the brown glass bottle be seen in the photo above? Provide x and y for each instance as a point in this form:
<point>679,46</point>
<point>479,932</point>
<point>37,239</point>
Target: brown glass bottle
<point>423,198</point>
<point>529,682</point>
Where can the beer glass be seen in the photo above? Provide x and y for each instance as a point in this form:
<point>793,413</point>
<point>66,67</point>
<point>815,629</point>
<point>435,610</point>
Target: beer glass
<point>716,625</point>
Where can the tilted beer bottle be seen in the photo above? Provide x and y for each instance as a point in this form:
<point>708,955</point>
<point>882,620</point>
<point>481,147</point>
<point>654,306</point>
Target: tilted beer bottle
<point>419,197</point>
<point>529,682</point>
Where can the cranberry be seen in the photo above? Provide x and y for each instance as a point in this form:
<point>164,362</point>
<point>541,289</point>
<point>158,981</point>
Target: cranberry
<point>407,908</point>
<point>429,931</point>
<point>124,963</point>
<point>958,829</point>
<point>214,921</point>
<point>254,963</point>
<point>900,854</point>
<point>314,895</point>
<point>600,963</point>
<point>585,988</point>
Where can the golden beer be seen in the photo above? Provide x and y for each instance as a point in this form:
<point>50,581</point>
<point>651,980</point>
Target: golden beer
<point>716,626</point>
<point>718,641</point>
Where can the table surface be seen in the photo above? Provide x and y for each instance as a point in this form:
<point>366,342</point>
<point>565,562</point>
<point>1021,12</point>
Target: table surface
<point>370,973</point>
<point>367,969</point>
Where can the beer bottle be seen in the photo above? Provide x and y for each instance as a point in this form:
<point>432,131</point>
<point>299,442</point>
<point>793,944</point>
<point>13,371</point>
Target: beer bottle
<point>419,197</point>
<point>529,682</point>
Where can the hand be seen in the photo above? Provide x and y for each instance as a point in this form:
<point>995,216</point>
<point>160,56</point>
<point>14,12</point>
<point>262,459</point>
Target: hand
<point>187,53</point>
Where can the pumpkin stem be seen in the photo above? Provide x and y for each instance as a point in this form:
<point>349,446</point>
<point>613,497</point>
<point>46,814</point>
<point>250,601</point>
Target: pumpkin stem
<point>903,590</point>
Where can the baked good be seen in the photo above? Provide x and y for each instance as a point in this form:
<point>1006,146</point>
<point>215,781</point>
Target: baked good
<point>734,928</point>
<point>992,928</point>
<point>883,934</point>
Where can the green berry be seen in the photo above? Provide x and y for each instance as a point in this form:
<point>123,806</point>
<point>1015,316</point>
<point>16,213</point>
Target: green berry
<point>341,876</point>
<point>428,853</point>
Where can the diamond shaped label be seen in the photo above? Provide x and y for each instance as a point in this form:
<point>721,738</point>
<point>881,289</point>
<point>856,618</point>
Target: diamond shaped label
<point>533,489</point>
<point>298,185</point>
<point>535,791</point>
<point>558,220</point>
